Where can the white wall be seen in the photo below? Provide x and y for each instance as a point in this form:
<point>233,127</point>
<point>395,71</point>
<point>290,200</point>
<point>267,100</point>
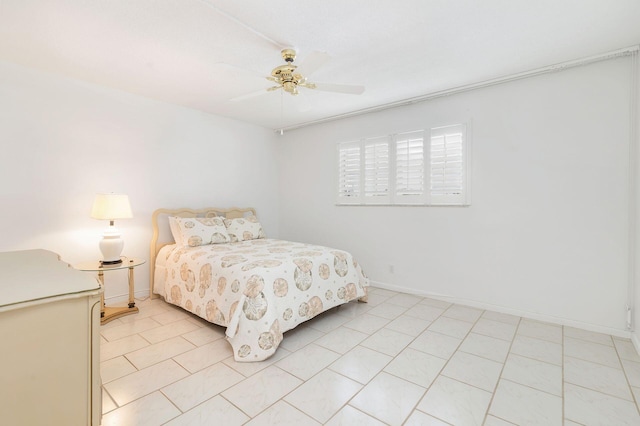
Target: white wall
<point>546,233</point>
<point>64,140</point>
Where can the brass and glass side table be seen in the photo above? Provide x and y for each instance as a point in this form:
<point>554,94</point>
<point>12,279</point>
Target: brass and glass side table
<point>108,313</point>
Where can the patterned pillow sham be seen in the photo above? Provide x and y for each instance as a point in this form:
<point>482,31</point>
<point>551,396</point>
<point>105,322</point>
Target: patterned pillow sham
<point>241,229</point>
<point>198,231</point>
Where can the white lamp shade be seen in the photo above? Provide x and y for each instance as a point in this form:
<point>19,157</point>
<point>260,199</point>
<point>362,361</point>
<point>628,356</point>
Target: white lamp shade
<point>111,206</point>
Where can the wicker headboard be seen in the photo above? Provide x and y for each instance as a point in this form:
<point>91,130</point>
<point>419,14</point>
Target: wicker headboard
<point>162,234</point>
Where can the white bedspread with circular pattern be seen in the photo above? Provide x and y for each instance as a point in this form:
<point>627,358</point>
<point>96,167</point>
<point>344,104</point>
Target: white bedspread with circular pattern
<point>260,288</point>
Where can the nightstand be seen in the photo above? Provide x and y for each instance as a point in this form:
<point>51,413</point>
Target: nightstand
<point>108,313</point>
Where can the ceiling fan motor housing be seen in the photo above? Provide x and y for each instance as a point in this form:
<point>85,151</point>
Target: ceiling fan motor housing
<point>284,74</point>
<point>289,55</point>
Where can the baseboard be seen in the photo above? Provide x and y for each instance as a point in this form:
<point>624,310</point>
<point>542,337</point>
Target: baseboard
<point>143,294</point>
<point>505,310</point>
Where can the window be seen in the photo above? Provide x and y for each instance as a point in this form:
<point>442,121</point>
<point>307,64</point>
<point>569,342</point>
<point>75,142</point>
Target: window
<point>349,165</point>
<point>404,169</point>
<point>410,166</point>
<point>376,170</point>
<point>447,180</point>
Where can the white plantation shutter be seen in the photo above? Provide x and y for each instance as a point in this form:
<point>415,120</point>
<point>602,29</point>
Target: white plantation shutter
<point>413,168</point>
<point>409,167</point>
<point>349,173</point>
<point>447,167</point>
<point>376,170</point>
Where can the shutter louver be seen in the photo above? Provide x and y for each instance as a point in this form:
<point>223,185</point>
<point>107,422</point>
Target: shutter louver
<point>376,169</point>
<point>447,167</point>
<point>349,171</point>
<point>410,164</point>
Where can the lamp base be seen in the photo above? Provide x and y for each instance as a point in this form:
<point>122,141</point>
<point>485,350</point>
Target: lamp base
<point>111,246</point>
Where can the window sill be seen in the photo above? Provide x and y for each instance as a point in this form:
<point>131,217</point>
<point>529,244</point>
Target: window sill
<point>400,205</point>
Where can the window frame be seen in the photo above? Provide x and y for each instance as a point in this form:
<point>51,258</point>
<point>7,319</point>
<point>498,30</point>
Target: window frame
<point>394,195</point>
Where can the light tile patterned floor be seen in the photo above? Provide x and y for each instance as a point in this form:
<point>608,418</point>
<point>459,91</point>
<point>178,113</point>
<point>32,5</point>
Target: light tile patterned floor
<point>397,360</point>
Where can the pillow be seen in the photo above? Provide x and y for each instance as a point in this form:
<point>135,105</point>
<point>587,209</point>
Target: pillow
<point>198,231</point>
<point>241,229</point>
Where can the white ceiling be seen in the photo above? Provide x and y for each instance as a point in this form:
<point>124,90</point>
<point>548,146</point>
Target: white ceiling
<point>202,53</point>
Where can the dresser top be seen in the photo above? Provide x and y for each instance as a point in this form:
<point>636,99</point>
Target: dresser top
<point>31,275</point>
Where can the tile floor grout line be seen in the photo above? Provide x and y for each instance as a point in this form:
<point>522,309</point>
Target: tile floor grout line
<point>336,372</point>
<point>347,403</point>
<point>504,364</point>
<point>172,403</point>
<point>154,390</point>
<point>620,360</point>
<point>110,397</point>
<point>632,400</point>
<point>447,361</point>
<point>391,374</point>
<point>601,393</point>
<point>563,384</point>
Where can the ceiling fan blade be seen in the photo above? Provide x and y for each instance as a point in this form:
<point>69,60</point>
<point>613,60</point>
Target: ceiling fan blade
<point>313,62</point>
<point>249,95</point>
<point>230,68</point>
<point>339,88</point>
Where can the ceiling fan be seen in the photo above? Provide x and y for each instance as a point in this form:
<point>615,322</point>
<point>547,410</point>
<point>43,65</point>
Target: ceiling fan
<point>290,77</point>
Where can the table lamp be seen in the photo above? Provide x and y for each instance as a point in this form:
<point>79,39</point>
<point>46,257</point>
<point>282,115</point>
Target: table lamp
<point>110,207</point>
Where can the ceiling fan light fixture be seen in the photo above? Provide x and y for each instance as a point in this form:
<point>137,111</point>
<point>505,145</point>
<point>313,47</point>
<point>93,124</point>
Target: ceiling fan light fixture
<point>290,87</point>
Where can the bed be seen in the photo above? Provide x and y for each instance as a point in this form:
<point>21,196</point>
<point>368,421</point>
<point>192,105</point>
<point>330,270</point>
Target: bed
<point>256,287</point>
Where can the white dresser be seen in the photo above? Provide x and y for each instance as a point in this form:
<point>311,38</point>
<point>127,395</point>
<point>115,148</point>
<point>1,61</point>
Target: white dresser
<point>49,342</point>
